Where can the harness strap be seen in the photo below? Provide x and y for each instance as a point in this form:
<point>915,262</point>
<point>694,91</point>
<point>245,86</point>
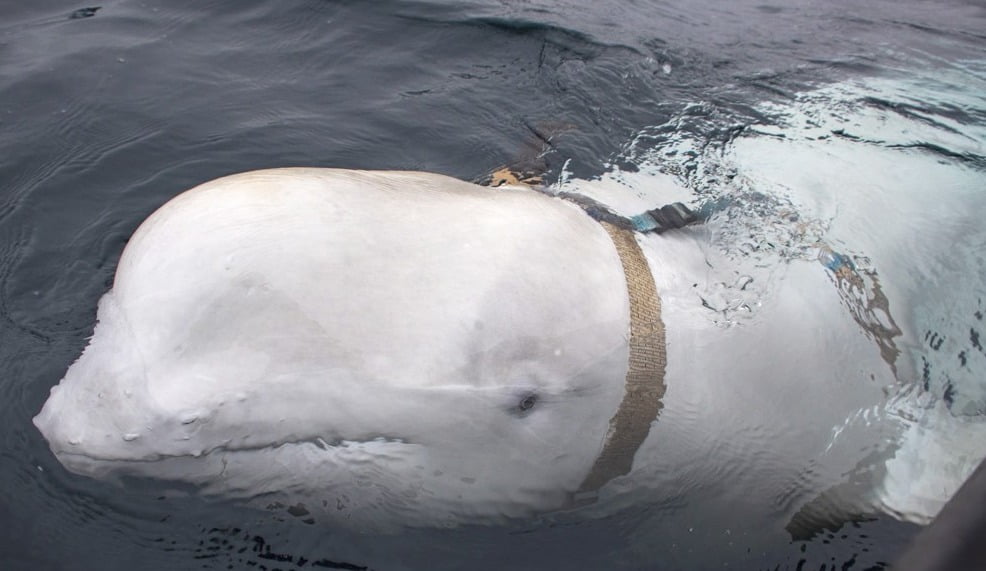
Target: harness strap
<point>645,388</point>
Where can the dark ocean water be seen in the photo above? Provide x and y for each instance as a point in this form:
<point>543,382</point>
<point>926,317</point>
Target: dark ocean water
<point>107,112</point>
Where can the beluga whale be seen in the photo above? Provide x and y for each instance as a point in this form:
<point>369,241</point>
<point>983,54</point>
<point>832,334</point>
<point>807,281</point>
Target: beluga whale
<point>404,348</point>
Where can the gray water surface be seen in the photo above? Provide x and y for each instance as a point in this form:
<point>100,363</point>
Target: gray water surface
<point>107,112</point>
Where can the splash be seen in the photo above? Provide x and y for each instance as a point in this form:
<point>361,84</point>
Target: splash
<point>879,180</point>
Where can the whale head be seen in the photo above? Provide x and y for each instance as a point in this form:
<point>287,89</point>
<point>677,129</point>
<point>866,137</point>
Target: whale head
<point>368,345</point>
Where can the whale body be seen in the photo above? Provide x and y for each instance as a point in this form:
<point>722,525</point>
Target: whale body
<point>407,347</point>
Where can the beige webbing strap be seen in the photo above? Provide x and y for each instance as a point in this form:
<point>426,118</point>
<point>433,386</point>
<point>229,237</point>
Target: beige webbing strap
<point>645,378</point>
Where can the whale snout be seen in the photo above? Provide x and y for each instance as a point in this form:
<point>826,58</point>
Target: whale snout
<point>71,436</point>
<point>85,429</point>
<point>62,431</point>
<point>93,415</point>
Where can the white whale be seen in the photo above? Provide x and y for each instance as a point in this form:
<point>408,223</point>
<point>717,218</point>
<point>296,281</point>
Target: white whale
<point>408,348</point>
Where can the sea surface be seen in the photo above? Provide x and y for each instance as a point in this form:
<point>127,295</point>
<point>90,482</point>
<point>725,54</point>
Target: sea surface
<point>868,118</point>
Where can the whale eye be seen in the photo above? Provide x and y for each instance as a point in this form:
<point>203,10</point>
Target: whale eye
<point>528,402</point>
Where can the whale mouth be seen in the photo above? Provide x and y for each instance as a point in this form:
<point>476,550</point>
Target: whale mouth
<point>246,472</point>
<point>320,443</point>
